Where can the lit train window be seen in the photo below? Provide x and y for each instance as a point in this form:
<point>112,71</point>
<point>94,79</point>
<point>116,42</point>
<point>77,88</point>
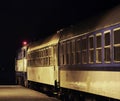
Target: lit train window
<point>98,48</point>
<point>78,51</point>
<point>91,49</point>
<point>107,46</point>
<point>84,50</point>
<point>116,45</point>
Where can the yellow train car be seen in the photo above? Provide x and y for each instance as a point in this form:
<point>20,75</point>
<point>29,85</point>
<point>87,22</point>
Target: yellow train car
<point>43,62</point>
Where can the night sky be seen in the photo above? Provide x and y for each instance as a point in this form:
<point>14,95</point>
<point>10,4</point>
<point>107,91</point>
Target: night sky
<point>33,20</point>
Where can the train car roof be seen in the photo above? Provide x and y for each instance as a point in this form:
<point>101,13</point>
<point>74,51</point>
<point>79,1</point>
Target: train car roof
<point>103,20</point>
<point>51,40</point>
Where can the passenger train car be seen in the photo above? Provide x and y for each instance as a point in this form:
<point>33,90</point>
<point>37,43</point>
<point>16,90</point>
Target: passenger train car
<point>43,61</point>
<point>81,62</point>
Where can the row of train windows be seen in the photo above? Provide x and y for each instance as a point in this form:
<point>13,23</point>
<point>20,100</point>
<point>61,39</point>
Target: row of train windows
<point>42,57</point>
<point>41,53</point>
<point>93,49</point>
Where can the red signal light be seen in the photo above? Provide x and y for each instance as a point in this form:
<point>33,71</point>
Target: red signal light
<point>24,43</point>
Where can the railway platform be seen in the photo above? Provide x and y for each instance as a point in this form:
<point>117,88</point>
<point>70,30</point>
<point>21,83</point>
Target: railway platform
<point>19,93</point>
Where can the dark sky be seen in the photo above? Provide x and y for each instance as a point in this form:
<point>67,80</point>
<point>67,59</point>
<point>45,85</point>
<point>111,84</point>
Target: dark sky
<point>36,19</point>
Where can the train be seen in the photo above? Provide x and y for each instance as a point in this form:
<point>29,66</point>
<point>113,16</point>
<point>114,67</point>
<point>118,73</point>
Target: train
<point>77,63</point>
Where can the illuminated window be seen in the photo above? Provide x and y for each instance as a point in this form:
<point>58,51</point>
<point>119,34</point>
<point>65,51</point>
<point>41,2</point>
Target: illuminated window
<point>84,50</point>
<point>116,45</point>
<point>91,49</point>
<point>107,46</point>
<point>98,48</point>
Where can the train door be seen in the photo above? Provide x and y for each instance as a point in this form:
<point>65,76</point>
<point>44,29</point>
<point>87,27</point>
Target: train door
<point>56,68</point>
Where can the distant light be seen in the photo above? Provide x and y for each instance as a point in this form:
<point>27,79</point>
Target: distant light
<point>24,43</point>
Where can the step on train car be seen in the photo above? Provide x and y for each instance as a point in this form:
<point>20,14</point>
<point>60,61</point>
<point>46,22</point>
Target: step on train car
<point>78,63</point>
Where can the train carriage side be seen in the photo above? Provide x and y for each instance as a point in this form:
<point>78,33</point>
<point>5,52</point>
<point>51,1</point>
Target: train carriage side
<point>90,60</point>
<point>43,63</point>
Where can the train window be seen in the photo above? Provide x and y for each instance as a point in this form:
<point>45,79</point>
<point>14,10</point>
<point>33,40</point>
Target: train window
<point>64,53</point>
<point>117,45</point>
<point>98,40</point>
<point>84,50</point>
<point>40,55</point>
<point>107,46</point>
<point>44,53</point>
<point>84,44</point>
<point>107,54</point>
<point>116,54</point>
<point>49,56</point>
<point>47,52</point>
<point>117,36</point>
<point>68,52</point>
<point>107,38</point>
<point>98,48</point>
<point>91,49</point>
<point>73,52</point>
<point>61,54</point>
<point>31,55</point>
<point>37,54</point>
<point>91,41</point>
<point>78,51</point>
